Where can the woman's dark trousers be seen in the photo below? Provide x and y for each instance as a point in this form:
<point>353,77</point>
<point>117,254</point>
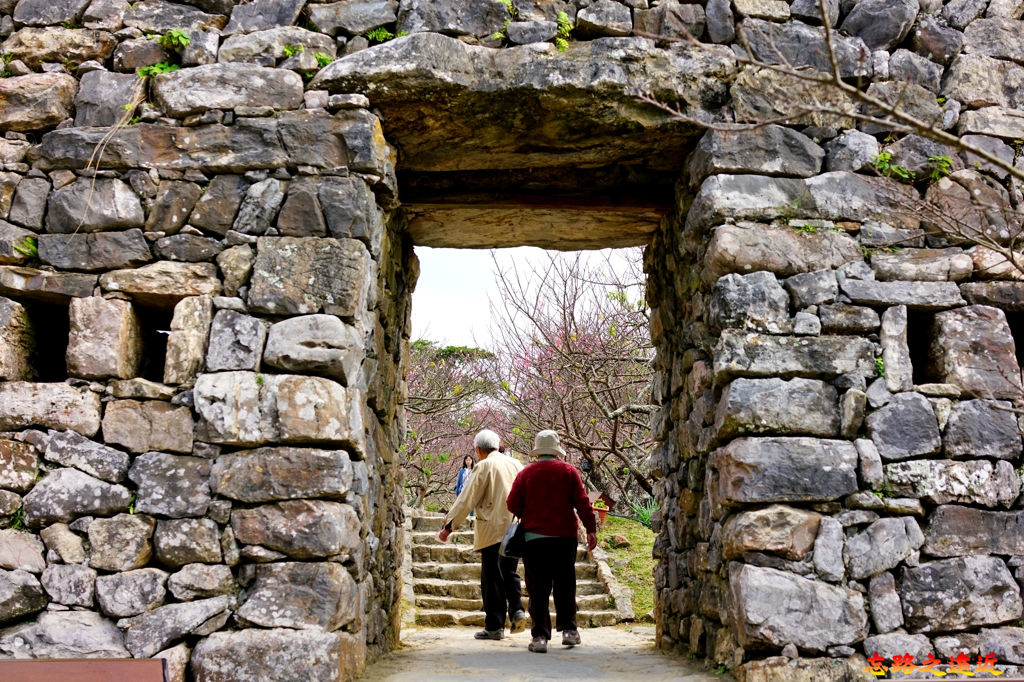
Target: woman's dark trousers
<point>499,584</point>
<point>551,563</point>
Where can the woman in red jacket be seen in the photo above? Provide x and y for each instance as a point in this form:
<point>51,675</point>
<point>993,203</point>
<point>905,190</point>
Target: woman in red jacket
<point>544,496</point>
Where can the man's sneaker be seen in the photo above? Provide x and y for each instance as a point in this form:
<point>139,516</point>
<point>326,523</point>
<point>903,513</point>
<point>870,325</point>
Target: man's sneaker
<point>538,645</point>
<point>571,638</point>
<point>518,622</point>
<point>489,634</point>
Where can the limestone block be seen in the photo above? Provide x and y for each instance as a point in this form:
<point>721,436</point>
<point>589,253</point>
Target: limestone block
<point>318,344</point>
<point>105,339</point>
<point>828,550</point>
<point>979,81</point>
<point>21,551</point>
<point>917,295</point>
<point>164,284</point>
<point>278,654</point>
<point>777,407</point>
<point>294,276</point>
<point>886,610</point>
<point>155,630</point>
<point>846,319</point>
<point>64,634</point>
<point>899,372</point>
<point>755,355</point>
<point>201,581</point>
<point>261,15</point>
<point>247,47</point>
<point>301,595</point>
<point>69,585</point>
<point>153,16</point>
<point>781,250</point>
<point>899,644</point>
<point>55,406</point>
<point>29,205</point>
<point>44,13</point>
<point>259,207</point>
<point>16,342</point>
<point>215,211</point>
<point>995,37</point>
<point>882,546</point>
<point>96,251</point>
<point>20,595</point>
<point>1006,644</point>
<point>955,530</point>
<point>777,608</point>
<point>36,101</point>
<point>350,209</point>
<point>65,494</point>
<point>15,242</point>
<point>186,541</point>
<point>769,150</point>
<point>982,428</point>
<point>957,594</point>
<point>243,408</point>
<point>851,151</point>
<point>990,264</point>
<point>273,473</point>
<point>121,543</point>
<point>973,349</point>
<point>142,425</point>
<point>88,205</point>
<point>187,342</point>
<point>42,285</point>
<point>301,215</point>
<point>60,539</point>
<point>236,342</point>
<point>940,482</point>
<point>756,302</point>
<point>107,15</point>
<point>934,265</point>
<point>102,96</point>
<point>755,470</point>
<point>798,44</point>
<point>996,121</point>
<point>302,529</point>
<point>130,593</point>
<point>353,18</point>
<point>226,86</point>
<point>172,205</point>
<point>235,265</point>
<point>779,529</point>
<point>171,485</point>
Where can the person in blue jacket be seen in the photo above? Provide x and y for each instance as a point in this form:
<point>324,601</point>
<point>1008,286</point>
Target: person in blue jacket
<point>464,472</point>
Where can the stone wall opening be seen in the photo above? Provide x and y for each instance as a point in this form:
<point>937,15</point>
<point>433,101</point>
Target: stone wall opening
<point>154,330</point>
<point>919,336</point>
<point>50,326</point>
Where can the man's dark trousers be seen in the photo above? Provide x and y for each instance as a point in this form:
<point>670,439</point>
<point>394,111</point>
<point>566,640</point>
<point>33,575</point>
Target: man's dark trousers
<point>551,563</point>
<point>500,586</point>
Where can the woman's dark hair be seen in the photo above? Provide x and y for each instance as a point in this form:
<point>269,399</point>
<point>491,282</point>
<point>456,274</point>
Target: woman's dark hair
<point>472,461</point>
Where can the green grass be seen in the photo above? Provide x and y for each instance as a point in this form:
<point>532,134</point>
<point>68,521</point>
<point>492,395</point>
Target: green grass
<point>638,571</point>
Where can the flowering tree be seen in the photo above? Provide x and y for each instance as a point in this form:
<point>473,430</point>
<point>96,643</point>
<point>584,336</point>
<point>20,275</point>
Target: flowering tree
<point>573,354</point>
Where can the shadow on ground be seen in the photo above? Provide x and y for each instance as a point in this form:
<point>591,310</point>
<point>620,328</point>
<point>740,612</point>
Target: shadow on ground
<point>612,653</point>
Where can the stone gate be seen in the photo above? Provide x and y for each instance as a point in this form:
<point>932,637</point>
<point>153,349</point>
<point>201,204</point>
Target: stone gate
<point>206,282</point>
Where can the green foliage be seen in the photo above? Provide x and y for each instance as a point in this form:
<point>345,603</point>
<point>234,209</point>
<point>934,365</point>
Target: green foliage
<point>322,59</point>
<point>27,247</point>
<point>131,504</point>
<point>259,379</point>
<point>292,50</point>
<point>720,670</point>
<point>5,59</point>
<point>884,165</point>
<point>382,35</point>
<point>157,69</point>
<point>805,228</point>
<point>642,512</point>
<point>16,521</point>
<point>175,39</point>
<point>70,24</point>
<point>941,166</point>
<point>880,366</point>
<point>564,30</point>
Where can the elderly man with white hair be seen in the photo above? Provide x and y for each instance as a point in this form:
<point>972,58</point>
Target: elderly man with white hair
<point>485,493</point>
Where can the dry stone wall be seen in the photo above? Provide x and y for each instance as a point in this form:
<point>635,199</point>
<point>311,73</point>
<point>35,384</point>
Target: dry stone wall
<point>203,305</point>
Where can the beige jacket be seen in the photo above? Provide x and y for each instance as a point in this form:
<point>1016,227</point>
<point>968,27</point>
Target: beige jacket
<point>486,493</point>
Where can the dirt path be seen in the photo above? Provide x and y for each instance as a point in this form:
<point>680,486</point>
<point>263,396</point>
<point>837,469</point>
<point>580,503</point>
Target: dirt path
<point>613,653</point>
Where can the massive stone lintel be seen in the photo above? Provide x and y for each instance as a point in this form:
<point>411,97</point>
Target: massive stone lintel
<point>532,106</point>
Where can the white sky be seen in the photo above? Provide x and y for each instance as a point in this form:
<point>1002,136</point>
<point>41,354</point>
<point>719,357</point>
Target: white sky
<point>450,303</point>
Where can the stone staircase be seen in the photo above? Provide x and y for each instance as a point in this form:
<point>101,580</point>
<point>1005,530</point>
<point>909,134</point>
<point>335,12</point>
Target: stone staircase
<point>445,579</point>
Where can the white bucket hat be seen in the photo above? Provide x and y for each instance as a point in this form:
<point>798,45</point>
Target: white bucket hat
<point>546,443</point>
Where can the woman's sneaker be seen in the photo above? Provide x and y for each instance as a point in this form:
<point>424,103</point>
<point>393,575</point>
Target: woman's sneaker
<point>538,645</point>
<point>489,634</point>
<point>571,638</point>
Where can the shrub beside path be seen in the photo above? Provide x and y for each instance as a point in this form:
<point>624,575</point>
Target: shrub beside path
<point>609,653</point>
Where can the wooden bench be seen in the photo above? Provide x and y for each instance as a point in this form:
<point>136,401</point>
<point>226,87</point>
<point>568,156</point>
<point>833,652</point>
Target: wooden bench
<point>84,670</point>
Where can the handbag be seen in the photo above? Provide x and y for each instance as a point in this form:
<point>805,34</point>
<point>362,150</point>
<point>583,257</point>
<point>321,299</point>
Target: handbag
<point>514,543</point>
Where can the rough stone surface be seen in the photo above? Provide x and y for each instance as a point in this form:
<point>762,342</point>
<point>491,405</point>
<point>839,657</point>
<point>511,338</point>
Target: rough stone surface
<point>884,545</point>
<point>778,529</point>
<point>941,482</point>
<point>201,581</point>
<point>258,208</point>
<point>236,342</point>
<point>171,206</point>
<point>69,585</point>
<point>261,15</point>
<point>88,206</point>
<point>171,485</point>
<point>773,406</point>
<point>97,251</point>
<point>188,341</point>
<point>122,595</point>
<point>155,630</point>
<point>303,529</point>
<point>937,265</point>
<point>754,470</point>
<point>186,541</point>
<point>778,608</point>
<point>958,531</point>
<point>828,550</point>
<point>215,211</point>
<point>66,494</point>
<point>68,545</point>
<point>955,594</point>
<point>905,427</point>
<point>973,349</point>
<point>753,355</point>
<point>64,634</point>
<point>164,284</point>
<point>318,344</point>
<point>886,610</point>
<point>55,406</point>
<point>102,96</point>
<point>21,551</point>
<point>770,150</point>
<point>226,86</point>
<point>142,425</point>
<point>300,595</point>
<point>105,339</point>
<point>16,342</point>
<point>72,450</point>
<point>243,408</point>
<point>918,295</point>
<point>269,474</point>
<point>20,595</point>
<point>756,302</point>
<point>36,101</point>
<point>275,653</point>
<point>121,543</point>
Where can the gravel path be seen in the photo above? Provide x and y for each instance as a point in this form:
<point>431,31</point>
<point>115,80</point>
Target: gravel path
<point>612,653</point>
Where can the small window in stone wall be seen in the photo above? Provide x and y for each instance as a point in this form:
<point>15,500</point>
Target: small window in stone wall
<point>155,325</point>
<point>919,338</point>
<point>50,324</point>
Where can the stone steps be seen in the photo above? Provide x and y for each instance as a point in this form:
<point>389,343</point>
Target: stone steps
<point>445,579</point>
